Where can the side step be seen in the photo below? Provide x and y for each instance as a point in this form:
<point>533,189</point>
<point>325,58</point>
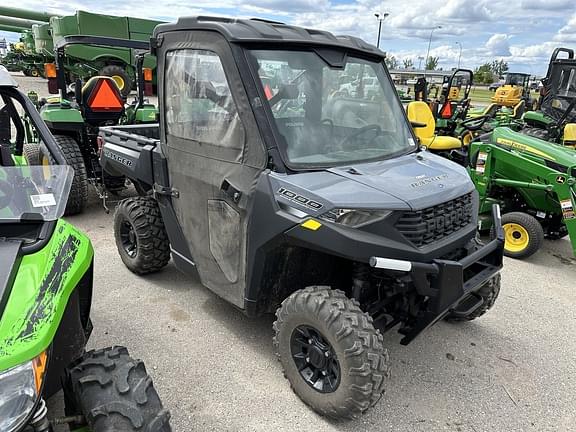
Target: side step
<point>467,306</point>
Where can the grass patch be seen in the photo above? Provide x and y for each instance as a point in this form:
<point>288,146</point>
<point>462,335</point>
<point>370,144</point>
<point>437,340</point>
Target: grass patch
<point>480,94</point>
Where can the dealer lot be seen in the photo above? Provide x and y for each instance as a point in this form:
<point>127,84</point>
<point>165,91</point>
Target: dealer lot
<point>512,370</point>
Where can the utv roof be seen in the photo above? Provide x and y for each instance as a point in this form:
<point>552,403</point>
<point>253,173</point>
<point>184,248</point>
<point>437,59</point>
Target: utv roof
<point>263,31</point>
<point>6,79</point>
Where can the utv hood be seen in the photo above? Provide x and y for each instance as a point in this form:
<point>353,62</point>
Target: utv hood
<point>414,181</point>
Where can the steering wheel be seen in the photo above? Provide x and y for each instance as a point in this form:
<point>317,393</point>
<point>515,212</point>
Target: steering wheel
<point>7,192</point>
<point>359,132</point>
<point>474,123</point>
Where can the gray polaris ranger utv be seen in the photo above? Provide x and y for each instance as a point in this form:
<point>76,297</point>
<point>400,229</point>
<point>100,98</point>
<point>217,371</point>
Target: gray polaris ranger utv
<point>285,172</point>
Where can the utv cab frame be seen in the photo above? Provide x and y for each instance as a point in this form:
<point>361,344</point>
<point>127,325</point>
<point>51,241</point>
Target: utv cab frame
<point>284,195</point>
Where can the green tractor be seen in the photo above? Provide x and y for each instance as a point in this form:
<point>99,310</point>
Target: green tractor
<point>75,116</point>
<point>533,181</point>
<point>555,120</point>
<point>46,268</point>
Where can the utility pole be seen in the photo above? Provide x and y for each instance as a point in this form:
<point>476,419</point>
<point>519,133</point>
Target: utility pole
<point>429,43</point>
<point>459,55</point>
<point>378,15</point>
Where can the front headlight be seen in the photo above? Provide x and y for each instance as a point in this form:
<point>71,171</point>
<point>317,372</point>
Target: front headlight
<point>19,390</point>
<point>354,218</point>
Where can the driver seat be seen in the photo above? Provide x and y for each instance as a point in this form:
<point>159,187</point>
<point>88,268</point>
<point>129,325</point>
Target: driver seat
<point>420,112</point>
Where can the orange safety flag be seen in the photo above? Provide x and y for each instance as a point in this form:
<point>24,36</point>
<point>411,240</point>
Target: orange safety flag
<point>446,111</point>
<point>104,98</point>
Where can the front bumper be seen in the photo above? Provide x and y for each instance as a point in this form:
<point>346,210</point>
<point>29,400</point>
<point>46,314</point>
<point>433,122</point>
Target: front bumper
<point>450,285</point>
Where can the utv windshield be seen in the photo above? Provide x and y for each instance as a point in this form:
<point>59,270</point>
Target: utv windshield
<point>332,109</point>
<point>34,193</point>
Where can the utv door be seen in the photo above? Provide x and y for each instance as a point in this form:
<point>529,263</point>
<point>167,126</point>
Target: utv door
<point>214,155</point>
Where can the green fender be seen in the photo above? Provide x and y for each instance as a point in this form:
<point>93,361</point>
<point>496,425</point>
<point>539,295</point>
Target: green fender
<point>40,293</point>
<point>54,113</point>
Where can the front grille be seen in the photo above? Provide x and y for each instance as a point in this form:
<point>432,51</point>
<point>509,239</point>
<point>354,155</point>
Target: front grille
<point>426,226</point>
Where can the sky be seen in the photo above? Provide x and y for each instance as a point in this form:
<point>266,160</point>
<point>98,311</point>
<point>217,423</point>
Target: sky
<point>521,32</point>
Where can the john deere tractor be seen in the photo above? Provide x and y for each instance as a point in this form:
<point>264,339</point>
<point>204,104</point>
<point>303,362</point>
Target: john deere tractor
<point>534,181</point>
<point>46,277</point>
<point>515,89</point>
<point>75,116</point>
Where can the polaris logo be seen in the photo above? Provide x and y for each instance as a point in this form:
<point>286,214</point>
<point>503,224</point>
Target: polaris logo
<point>302,200</point>
<point>120,159</point>
<point>428,180</point>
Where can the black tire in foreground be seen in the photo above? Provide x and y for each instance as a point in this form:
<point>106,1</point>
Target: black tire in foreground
<point>73,156</point>
<point>489,293</point>
<point>115,393</point>
<point>331,353</point>
<point>523,235</point>
<point>140,235</point>
<point>31,153</point>
<point>120,77</point>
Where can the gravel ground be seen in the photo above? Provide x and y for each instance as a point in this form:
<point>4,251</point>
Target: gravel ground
<point>512,370</point>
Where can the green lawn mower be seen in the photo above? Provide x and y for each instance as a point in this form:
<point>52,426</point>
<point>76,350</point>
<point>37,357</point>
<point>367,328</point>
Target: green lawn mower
<point>46,268</point>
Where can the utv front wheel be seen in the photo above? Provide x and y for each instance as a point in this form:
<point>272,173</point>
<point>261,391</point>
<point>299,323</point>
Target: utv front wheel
<point>140,235</point>
<point>330,351</point>
<point>115,393</point>
<point>73,157</point>
<point>523,235</point>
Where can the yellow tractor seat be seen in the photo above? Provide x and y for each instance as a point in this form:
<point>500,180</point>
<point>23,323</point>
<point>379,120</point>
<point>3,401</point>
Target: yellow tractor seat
<point>570,135</point>
<point>420,112</point>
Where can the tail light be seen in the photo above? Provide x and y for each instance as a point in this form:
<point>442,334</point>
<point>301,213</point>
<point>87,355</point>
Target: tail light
<point>50,70</point>
<point>52,85</point>
<point>147,73</point>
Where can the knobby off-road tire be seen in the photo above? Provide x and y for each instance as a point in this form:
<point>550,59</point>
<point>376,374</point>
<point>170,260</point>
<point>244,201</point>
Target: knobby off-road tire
<point>31,153</point>
<point>489,293</point>
<point>119,75</point>
<point>115,393</point>
<point>357,346</point>
<point>73,156</point>
<point>147,249</point>
<point>527,226</point>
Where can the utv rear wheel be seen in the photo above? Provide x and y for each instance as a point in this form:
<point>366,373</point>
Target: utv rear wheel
<point>330,351</point>
<point>489,293</point>
<point>140,235</point>
<point>523,235</point>
<point>32,153</point>
<point>73,156</point>
<point>115,393</point>
<point>120,77</point>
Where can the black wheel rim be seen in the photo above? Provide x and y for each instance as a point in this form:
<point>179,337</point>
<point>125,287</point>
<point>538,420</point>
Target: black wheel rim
<point>315,359</point>
<point>128,238</point>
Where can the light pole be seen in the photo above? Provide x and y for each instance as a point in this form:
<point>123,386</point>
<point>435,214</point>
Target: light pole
<point>459,55</point>
<point>377,15</point>
<point>420,58</point>
<point>429,43</point>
